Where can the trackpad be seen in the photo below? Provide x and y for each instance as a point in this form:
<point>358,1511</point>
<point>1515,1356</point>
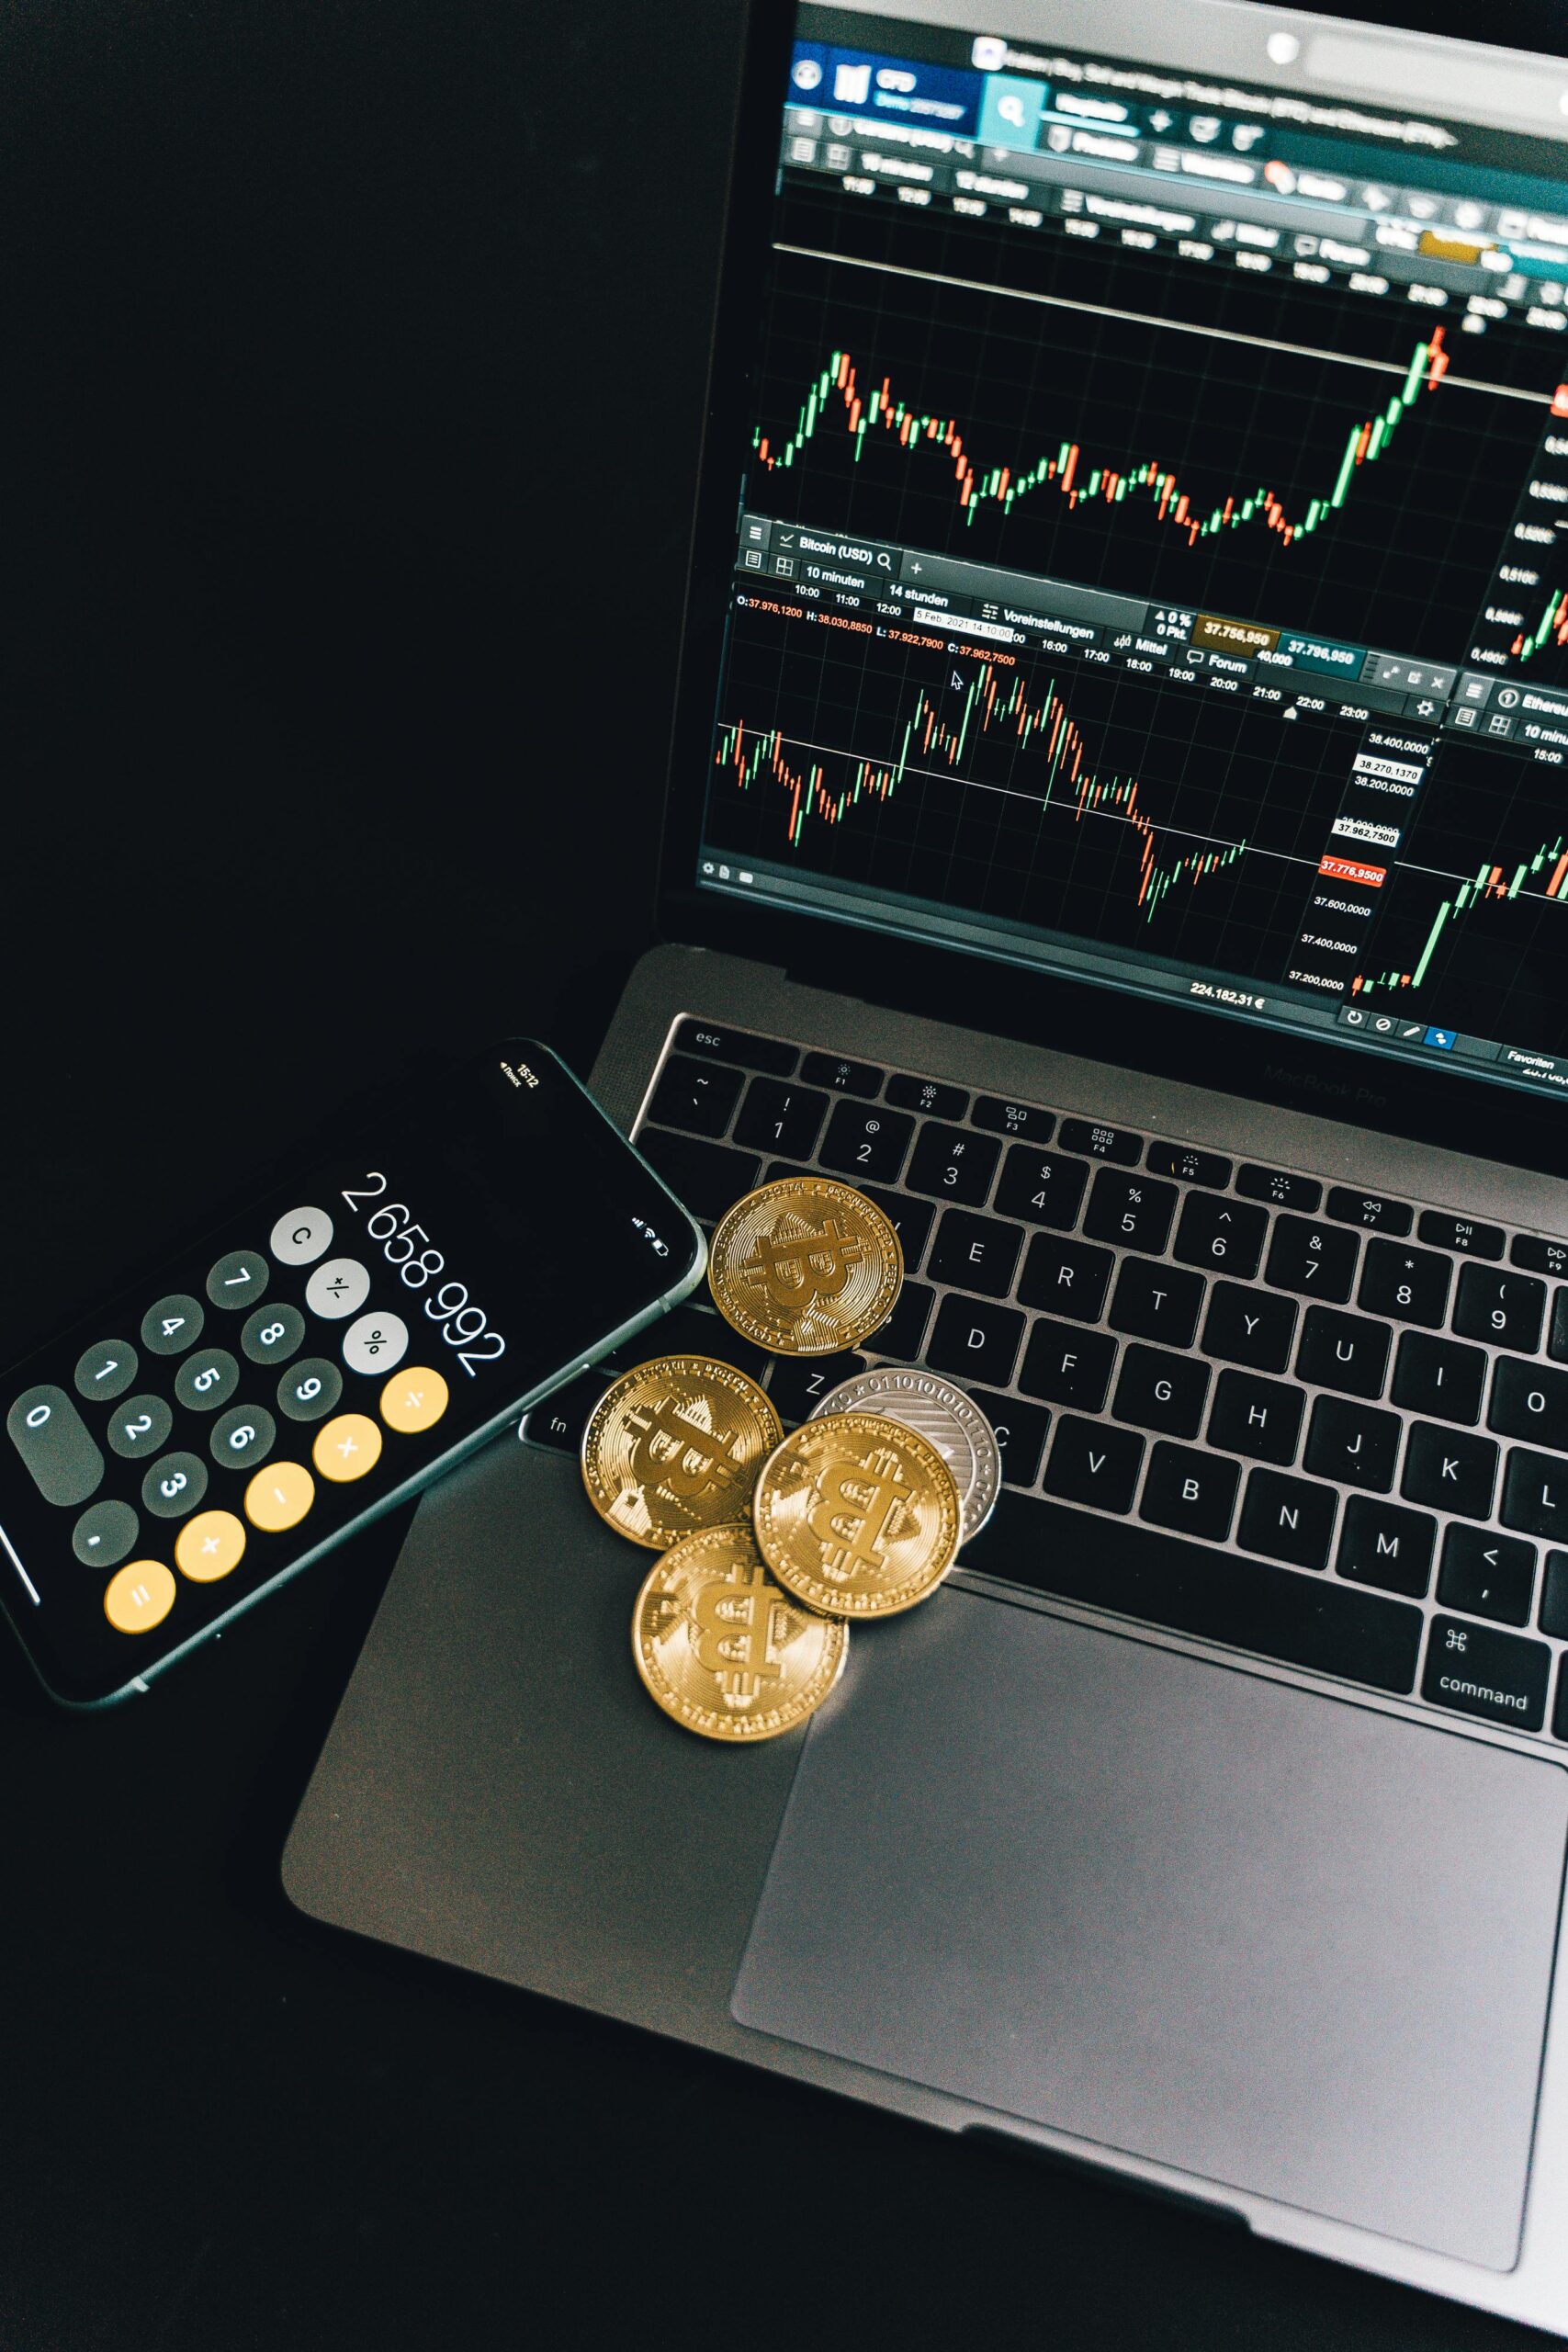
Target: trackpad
<point>1280,1940</point>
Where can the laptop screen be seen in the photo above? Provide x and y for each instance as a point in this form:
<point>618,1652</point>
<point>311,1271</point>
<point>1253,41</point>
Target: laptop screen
<point>1150,560</point>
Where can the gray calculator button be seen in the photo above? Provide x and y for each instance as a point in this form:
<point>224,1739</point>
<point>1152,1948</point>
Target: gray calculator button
<point>139,1426</point>
<point>106,1370</point>
<point>238,1280</point>
<point>273,1333</point>
<point>243,1435</point>
<point>300,1237</point>
<point>376,1343</point>
<point>339,1287</point>
<point>310,1389</point>
<point>172,1325</point>
<point>175,1485</point>
<point>206,1380</point>
<point>54,1442</point>
<point>105,1535</point>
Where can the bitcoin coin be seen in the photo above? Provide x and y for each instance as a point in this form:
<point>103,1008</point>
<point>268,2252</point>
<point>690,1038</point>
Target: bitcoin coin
<point>674,1445</point>
<point>805,1266</point>
<point>723,1649</point>
<point>857,1515</point>
<point>952,1421</point>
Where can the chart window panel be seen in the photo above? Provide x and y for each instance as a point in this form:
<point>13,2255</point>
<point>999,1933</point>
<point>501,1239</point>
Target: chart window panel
<point>1150,521</point>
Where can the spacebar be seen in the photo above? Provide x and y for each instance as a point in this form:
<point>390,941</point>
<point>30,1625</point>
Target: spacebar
<point>1280,1613</point>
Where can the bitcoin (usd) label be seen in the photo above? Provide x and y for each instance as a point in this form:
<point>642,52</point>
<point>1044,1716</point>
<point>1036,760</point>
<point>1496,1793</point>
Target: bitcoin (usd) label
<point>806,1266</point>
<point>676,1445</point>
<point>723,1649</point>
<point>857,1515</point>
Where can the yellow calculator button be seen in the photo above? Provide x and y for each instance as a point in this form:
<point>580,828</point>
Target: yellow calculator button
<point>414,1400</point>
<point>140,1597</point>
<point>279,1496</point>
<point>347,1448</point>
<point>210,1546</point>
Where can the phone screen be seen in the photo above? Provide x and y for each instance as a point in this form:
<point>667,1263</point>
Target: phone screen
<point>465,1245</point>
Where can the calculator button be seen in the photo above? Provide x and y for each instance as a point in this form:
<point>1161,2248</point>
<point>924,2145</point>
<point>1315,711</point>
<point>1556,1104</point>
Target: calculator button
<point>238,1280</point>
<point>212,1546</point>
<point>347,1448</point>
<point>415,1400</point>
<point>206,1380</point>
<point>278,1497</point>
<point>54,1442</point>
<point>106,1370</point>
<point>140,1597</point>
<point>140,1427</point>
<point>310,1389</point>
<point>273,1333</point>
<point>300,1237</point>
<point>243,1435</point>
<point>172,1325</point>
<point>375,1344</point>
<point>104,1535</point>
<point>174,1485</point>
<point>339,1287</point>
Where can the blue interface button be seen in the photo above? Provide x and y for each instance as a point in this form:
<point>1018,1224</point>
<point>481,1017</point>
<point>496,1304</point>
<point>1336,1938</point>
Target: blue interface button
<point>1009,112</point>
<point>1443,1038</point>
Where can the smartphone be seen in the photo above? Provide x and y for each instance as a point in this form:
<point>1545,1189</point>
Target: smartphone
<point>472,1243</point>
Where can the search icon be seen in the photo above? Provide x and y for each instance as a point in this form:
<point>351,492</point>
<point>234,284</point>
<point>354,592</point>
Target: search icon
<point>1010,110</point>
<point>884,561</point>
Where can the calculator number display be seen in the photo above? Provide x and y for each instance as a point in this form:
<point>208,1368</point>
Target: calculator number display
<point>406,1247</point>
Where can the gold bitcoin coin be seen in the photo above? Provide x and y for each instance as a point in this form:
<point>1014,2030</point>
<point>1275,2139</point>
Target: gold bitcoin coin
<point>857,1515</point>
<point>675,1446</point>
<point>723,1649</point>
<point>805,1266</point>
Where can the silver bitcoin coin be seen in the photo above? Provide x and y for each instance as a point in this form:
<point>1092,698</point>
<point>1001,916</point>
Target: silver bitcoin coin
<point>939,1412</point>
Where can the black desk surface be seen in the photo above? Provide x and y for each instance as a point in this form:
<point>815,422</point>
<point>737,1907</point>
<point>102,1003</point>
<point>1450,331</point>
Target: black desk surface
<point>314,315</point>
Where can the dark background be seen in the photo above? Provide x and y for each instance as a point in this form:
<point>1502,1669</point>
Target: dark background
<point>342,344</point>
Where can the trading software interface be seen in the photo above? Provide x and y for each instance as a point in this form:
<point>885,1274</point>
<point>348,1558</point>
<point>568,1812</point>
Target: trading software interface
<point>1152,553</point>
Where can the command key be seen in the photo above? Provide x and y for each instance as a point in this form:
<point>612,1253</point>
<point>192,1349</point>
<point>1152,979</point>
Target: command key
<point>1499,1677</point>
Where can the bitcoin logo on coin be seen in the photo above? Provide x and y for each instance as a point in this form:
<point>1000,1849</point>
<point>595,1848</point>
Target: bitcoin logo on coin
<point>806,1266</point>
<point>676,1445</point>
<point>857,1515</point>
<point>954,1422</point>
<point>859,1508</point>
<point>723,1649</point>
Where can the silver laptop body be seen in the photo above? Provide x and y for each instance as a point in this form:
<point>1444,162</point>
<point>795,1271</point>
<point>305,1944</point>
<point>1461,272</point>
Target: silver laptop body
<point>1208,1827</point>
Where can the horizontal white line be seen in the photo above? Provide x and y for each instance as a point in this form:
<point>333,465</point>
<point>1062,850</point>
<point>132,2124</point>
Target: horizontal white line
<point>1011,792</point>
<point>1146,318</point>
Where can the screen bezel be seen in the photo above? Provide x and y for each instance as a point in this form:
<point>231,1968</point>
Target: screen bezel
<point>1354,1083</point>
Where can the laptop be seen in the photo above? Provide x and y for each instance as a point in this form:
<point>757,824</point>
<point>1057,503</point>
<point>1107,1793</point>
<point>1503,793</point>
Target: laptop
<point>1119,819</point>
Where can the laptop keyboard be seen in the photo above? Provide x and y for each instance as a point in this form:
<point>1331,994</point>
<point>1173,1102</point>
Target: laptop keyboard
<point>1318,1424</point>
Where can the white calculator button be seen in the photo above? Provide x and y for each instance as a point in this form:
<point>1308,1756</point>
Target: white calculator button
<point>106,1370</point>
<point>376,1343</point>
<point>338,1287</point>
<point>300,1235</point>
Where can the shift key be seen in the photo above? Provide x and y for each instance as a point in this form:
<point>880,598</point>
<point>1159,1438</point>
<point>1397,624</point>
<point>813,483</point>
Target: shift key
<point>1499,1677</point>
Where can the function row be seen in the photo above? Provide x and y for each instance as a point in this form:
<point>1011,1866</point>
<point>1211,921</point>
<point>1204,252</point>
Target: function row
<point>702,1082</point>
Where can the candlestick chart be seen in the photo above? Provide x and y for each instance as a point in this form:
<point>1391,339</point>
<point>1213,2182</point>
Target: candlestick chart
<point>1365,499</point>
<point>1076,801</point>
<point>1474,933</point>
